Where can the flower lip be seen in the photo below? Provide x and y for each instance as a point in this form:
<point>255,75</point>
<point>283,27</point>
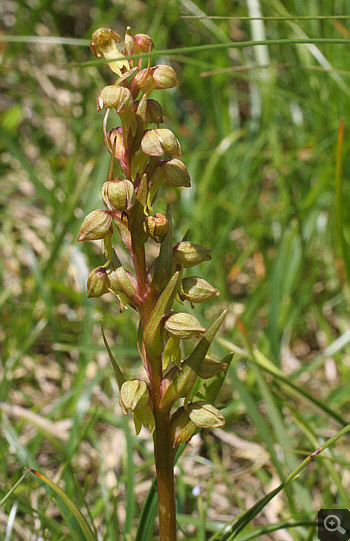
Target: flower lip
<point>102,37</point>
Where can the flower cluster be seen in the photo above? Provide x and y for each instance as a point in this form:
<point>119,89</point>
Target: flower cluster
<point>148,158</point>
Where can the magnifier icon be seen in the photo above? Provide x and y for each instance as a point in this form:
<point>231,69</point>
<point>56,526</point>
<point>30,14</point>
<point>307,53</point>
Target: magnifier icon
<point>332,524</point>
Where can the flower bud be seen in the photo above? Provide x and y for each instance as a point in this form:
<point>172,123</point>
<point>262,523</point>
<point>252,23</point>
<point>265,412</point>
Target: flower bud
<point>188,254</point>
<point>154,112</point>
<point>143,80</point>
<point>150,110</point>
<point>96,225</point>
<point>117,97</point>
<point>128,42</point>
<point>98,282</point>
<point>210,367</point>
<point>156,142</point>
<point>205,415</point>
<point>133,394</point>
<point>176,173</point>
<point>183,326</point>
<point>142,43</point>
<point>119,194</point>
<point>122,281</point>
<point>164,77</point>
<point>115,139</point>
<point>195,289</point>
<point>104,41</point>
<point>156,226</point>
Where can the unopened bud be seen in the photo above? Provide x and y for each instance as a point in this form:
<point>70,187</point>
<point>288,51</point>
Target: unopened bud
<point>210,367</point>
<point>156,226</point>
<point>128,42</point>
<point>205,415</point>
<point>183,326</point>
<point>188,254</point>
<point>98,282</point>
<point>142,43</point>
<point>133,394</point>
<point>115,140</point>
<point>96,225</point>
<point>159,140</point>
<point>176,173</point>
<point>122,281</point>
<point>104,41</point>
<point>117,97</point>
<point>164,77</point>
<point>120,194</point>
<point>195,289</point>
<point>143,80</point>
<point>154,112</point>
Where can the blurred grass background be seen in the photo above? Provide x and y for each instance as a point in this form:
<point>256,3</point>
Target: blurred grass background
<point>258,129</point>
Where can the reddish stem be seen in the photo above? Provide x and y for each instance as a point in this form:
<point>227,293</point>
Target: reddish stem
<point>163,450</point>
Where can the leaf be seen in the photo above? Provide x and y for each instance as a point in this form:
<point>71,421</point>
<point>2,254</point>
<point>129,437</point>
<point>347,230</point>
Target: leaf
<point>211,387</point>
<point>152,339</point>
<point>228,533</point>
<point>79,527</point>
<point>119,376</point>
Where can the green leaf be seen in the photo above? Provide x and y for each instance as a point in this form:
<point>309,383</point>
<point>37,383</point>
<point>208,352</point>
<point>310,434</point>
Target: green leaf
<point>230,533</point>
<point>152,339</point>
<point>78,526</point>
<point>119,376</point>
<point>275,527</point>
<point>211,387</point>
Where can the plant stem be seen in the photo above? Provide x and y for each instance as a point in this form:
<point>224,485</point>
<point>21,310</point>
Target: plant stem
<point>163,450</point>
<point>164,460</point>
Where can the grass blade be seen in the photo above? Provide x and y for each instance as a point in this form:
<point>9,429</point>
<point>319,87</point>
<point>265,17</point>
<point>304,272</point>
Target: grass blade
<point>275,527</point>
<point>248,516</point>
<point>339,218</point>
<point>81,527</point>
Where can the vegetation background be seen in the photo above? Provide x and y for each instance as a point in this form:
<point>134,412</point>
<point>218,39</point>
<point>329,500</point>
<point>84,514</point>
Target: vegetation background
<point>258,128</point>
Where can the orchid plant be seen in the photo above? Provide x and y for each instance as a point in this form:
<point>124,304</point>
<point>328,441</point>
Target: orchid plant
<point>176,397</point>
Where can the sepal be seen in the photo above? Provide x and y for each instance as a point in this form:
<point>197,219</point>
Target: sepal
<point>205,415</point>
<point>122,281</point>
<point>159,140</point>
<point>183,326</point>
<point>195,289</point>
<point>98,283</point>
<point>179,383</point>
<point>188,254</point>
<point>96,226</point>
